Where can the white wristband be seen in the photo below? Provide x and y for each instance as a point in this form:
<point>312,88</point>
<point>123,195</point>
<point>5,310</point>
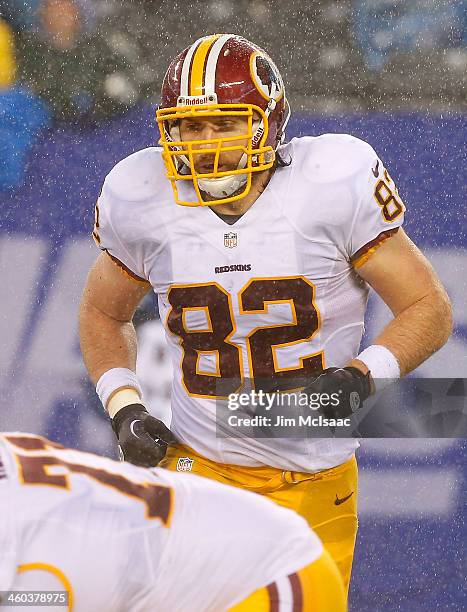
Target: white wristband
<point>114,379</point>
<point>383,365</point>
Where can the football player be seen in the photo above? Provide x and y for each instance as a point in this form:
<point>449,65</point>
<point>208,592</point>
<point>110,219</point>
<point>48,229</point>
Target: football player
<point>262,255</point>
<point>117,537</point>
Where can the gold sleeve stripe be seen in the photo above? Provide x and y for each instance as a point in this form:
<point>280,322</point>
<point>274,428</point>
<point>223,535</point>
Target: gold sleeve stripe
<point>126,270</point>
<point>51,569</point>
<point>199,65</point>
<point>364,254</point>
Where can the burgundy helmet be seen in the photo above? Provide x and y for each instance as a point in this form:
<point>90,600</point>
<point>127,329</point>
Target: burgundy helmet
<point>222,72</point>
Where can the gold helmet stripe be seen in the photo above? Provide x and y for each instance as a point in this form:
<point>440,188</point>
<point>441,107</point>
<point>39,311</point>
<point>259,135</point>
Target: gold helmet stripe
<point>199,64</point>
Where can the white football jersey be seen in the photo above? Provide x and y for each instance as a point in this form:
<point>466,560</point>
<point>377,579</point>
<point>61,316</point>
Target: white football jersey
<point>132,539</point>
<point>273,296</point>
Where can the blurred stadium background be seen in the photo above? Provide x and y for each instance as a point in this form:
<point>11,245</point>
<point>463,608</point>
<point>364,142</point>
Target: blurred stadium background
<point>79,82</point>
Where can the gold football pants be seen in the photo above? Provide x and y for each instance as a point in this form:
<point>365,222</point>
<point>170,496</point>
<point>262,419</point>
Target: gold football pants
<point>315,588</point>
<point>327,500</point>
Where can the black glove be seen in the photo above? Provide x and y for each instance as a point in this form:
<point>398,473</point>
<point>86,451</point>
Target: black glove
<point>350,386</point>
<point>142,438</point>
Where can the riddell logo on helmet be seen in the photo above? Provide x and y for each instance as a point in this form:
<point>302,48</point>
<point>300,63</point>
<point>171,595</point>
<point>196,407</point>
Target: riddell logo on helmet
<point>196,100</point>
<point>258,136</point>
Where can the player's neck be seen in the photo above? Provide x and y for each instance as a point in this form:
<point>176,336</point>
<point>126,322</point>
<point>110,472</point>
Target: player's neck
<point>239,207</point>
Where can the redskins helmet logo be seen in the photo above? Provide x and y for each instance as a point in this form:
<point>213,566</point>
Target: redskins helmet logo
<point>266,77</point>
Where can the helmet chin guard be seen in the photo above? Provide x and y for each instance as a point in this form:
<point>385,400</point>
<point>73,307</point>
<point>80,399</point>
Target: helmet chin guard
<point>222,187</point>
<point>224,74</point>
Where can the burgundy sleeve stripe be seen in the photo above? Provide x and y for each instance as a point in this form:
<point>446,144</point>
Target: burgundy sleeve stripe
<point>373,244</point>
<point>297,593</point>
<point>273,593</point>
<point>2,470</point>
<point>124,268</point>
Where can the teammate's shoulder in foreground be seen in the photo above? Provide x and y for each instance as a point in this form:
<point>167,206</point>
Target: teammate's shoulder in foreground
<point>268,552</point>
<point>138,177</point>
<point>330,157</point>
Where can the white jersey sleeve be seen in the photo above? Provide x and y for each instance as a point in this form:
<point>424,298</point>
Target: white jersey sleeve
<point>379,210</point>
<point>122,210</point>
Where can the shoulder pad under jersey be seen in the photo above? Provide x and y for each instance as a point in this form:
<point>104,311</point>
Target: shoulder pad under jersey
<point>139,176</point>
<point>331,157</point>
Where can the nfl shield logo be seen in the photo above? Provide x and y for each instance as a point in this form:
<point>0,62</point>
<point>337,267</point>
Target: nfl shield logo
<point>184,464</point>
<point>230,240</point>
